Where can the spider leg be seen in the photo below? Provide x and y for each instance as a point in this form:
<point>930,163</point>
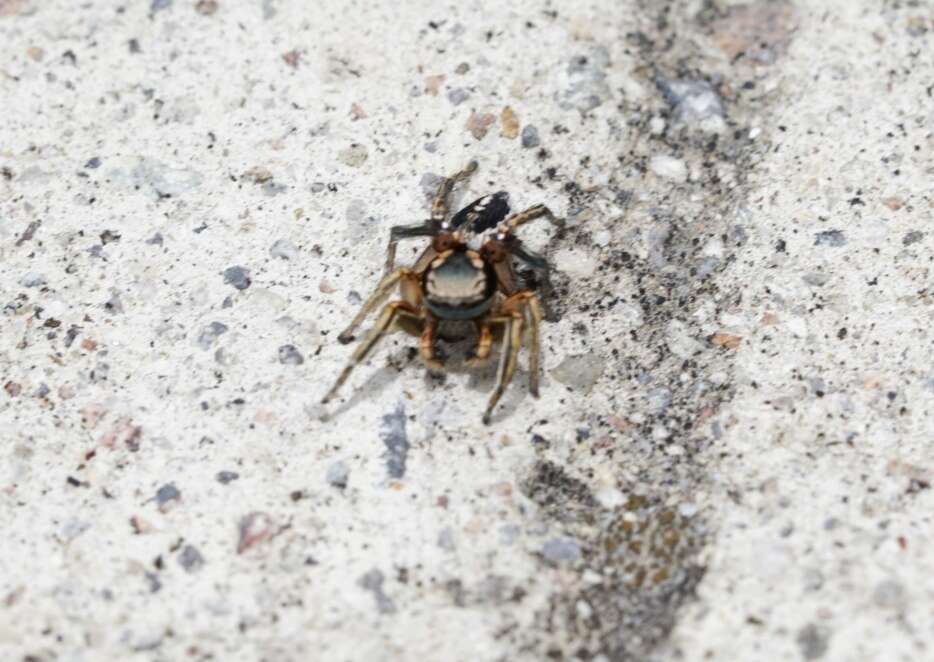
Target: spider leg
<point>426,344</point>
<point>507,361</point>
<point>390,313</point>
<point>530,214</point>
<point>381,292</point>
<point>439,206</point>
<point>484,345</point>
<point>527,303</point>
<point>398,232</point>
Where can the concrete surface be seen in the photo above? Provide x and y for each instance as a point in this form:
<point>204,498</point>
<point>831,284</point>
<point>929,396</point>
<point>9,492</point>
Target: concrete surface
<point>730,459</point>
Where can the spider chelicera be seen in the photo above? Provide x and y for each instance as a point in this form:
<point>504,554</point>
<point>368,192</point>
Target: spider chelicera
<point>465,274</point>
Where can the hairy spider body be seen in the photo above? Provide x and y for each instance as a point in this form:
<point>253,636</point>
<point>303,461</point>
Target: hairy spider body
<point>465,274</point>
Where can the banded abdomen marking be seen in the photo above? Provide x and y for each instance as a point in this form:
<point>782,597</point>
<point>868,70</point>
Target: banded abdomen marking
<point>459,285</point>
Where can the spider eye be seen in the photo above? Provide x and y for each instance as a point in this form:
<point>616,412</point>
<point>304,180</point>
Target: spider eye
<point>494,251</point>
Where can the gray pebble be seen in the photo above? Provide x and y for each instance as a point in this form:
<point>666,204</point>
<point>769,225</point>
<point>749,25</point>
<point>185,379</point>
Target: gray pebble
<point>155,240</point>
<point>354,156</point>
<point>579,372</point>
<point>32,280</point>
<point>190,559</point>
<point>114,304</point>
<point>338,474</point>
<point>159,5</point>
<point>588,87</point>
<point>446,540</point>
<point>392,432</point>
<point>813,641</point>
<point>93,163</point>
<point>166,493</point>
<point>530,137</point>
<point>561,549</point>
<point>285,249</point>
<point>816,279</point>
<point>458,95</point>
<point>271,188</point>
<point>238,277</point>
<point>210,334</point>
<point>224,477</point>
<point>159,180</point>
<point>889,594</point>
<point>830,238</point>
<point>289,355</point>
<point>691,100</point>
<point>912,237</point>
<point>373,581</point>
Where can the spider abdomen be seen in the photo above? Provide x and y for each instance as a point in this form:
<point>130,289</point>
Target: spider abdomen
<point>459,285</point>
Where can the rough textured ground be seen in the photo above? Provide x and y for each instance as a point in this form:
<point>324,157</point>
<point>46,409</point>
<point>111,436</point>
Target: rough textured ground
<point>729,460</point>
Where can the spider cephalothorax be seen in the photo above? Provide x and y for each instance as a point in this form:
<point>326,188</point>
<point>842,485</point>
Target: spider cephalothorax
<point>465,274</point>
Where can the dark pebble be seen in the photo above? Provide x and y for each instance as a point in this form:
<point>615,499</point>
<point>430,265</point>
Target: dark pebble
<point>530,137</point>
<point>289,355</point>
<point>238,277</point>
<point>224,477</point>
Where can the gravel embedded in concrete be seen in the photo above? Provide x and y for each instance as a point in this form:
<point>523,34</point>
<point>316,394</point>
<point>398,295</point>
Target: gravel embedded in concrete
<point>729,459</point>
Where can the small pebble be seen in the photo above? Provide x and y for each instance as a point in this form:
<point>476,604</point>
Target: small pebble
<point>812,641</point>
<point>225,477</point>
<point>166,494</point>
<point>32,280</point>
<point>338,475</point>
<point>580,372</point>
<point>210,334</point>
<point>830,238</point>
<point>669,167</point>
<point>561,549</point>
<point>190,559</point>
<point>458,95</point>
<point>238,277</point>
<point>285,249</point>
<point>289,355</point>
<point>530,137</point>
<point>354,156</point>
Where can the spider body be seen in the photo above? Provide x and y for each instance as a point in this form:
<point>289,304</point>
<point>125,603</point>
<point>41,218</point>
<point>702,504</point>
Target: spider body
<point>465,274</point>
<point>459,285</point>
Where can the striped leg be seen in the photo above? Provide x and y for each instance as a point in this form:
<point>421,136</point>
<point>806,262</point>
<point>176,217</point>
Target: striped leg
<point>382,291</point>
<point>527,304</point>
<point>530,214</point>
<point>386,318</point>
<point>439,206</point>
<point>507,361</point>
<point>399,232</point>
<point>484,345</point>
<point>426,345</point>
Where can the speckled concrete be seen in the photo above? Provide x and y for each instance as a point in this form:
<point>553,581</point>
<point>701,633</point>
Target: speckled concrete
<point>730,458</point>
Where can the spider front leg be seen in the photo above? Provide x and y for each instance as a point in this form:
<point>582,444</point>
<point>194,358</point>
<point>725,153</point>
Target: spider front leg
<point>389,315</point>
<point>439,206</point>
<point>535,211</point>
<point>399,232</point>
<point>382,291</point>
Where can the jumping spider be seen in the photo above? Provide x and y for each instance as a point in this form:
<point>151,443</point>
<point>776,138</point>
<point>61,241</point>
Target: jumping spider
<point>465,274</point>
